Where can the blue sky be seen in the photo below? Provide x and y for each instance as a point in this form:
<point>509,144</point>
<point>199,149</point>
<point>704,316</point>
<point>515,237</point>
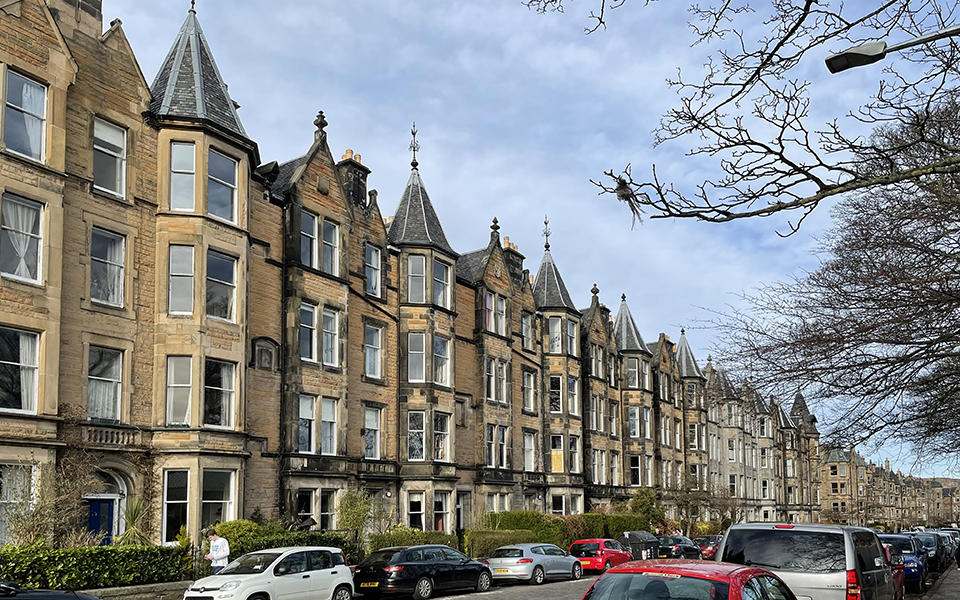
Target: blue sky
<point>516,112</point>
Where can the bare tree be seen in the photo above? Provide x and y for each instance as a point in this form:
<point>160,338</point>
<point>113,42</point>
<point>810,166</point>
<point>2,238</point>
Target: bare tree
<point>748,113</point>
<point>872,334</point>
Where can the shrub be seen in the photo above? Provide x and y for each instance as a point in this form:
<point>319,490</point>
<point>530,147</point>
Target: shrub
<point>595,525</point>
<point>575,529</point>
<point>547,528</point>
<point>239,534</point>
<point>350,548</point>
<point>482,542</point>
<point>617,524</point>
<point>405,536</point>
<point>37,566</point>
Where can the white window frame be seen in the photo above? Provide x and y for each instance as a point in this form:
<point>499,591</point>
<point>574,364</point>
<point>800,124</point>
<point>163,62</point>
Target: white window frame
<point>502,446</point>
<point>633,373</point>
<point>490,446</point>
<point>411,351</point>
<point>115,384</point>
<point>633,421</point>
<point>529,451</point>
<point>554,335</point>
<point>42,118</point>
<point>309,234</point>
<point>614,467</point>
<point>232,187</point>
<point>421,431</point>
<point>562,449</point>
<point>526,330</point>
<point>559,391</point>
<point>172,386</point>
<point>441,286</point>
<point>573,453</point>
<point>108,264</point>
<point>573,396</point>
<point>502,396</point>
<point>423,500</point>
<point>441,361</point>
<point>331,245</point>
<point>417,280</point>
<point>228,509</point>
<point>230,284</point>
<point>500,315</point>
<point>230,394</point>
<point>310,419</point>
<point>371,270</point>
<point>529,384</point>
<point>372,351</point>
<point>172,276</point>
<point>441,508</point>
<point>4,227</point>
<point>120,156</point>
<point>329,408</point>
<point>572,341</point>
<point>192,173</point>
<point>371,423</point>
<point>27,405</point>
<point>310,328</point>
<point>441,437</point>
<point>331,337</point>
<point>164,534</point>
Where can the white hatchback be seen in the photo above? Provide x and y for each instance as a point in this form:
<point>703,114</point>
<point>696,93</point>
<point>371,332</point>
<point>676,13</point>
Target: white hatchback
<point>299,573</point>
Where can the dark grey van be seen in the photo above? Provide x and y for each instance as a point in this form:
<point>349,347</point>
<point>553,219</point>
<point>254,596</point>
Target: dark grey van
<point>817,562</point>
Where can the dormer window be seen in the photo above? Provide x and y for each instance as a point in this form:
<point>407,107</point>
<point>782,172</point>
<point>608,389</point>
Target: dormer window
<point>222,186</point>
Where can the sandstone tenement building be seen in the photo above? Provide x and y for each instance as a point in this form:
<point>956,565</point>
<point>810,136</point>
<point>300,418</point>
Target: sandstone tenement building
<point>230,336</point>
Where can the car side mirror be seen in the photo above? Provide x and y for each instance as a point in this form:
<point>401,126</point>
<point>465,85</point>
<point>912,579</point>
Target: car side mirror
<point>281,570</point>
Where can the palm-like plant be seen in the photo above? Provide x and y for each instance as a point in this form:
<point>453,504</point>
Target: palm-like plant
<point>133,518</point>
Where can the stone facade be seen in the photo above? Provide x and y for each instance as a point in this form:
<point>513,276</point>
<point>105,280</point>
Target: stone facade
<point>228,337</point>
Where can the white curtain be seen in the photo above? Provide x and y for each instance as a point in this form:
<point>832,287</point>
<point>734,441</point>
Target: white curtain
<point>114,280</point>
<point>20,218</point>
<point>28,370</point>
<point>33,101</point>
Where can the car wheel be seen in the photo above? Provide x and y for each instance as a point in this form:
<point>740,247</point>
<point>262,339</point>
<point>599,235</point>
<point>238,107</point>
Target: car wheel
<point>483,581</point>
<point>606,566</point>
<point>537,577</point>
<point>342,593</point>
<point>423,589</point>
<point>577,572</point>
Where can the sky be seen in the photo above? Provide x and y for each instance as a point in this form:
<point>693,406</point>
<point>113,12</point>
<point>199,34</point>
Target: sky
<point>516,112</point>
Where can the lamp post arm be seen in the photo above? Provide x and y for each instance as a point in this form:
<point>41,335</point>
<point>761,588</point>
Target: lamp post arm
<point>923,39</point>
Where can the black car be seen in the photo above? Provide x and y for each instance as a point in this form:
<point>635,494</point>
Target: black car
<point>12,590</point>
<point>938,559</point>
<point>419,570</point>
<point>678,546</point>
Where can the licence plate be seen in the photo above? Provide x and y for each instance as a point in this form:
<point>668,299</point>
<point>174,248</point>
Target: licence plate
<point>501,570</point>
<point>369,583</point>
<point>584,561</point>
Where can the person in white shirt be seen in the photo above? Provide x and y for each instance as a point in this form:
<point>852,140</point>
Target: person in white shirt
<point>219,551</point>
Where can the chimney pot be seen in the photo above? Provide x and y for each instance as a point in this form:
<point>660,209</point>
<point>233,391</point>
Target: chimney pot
<point>356,157</point>
<point>348,153</point>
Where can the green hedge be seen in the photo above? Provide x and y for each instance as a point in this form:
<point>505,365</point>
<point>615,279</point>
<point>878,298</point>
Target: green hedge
<point>352,550</point>
<point>596,525</point>
<point>564,530</point>
<point>405,536</point>
<point>93,566</point>
<point>482,542</point>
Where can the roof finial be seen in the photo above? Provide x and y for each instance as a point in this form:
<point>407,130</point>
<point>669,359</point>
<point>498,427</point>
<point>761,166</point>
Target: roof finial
<point>594,290</point>
<point>495,226</point>
<point>683,331</point>
<point>193,6</point>
<point>623,297</point>
<point>320,122</point>
<point>546,232</point>
<point>414,145</point>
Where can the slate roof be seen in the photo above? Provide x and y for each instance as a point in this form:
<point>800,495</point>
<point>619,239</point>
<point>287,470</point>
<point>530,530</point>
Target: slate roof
<point>287,173</point>
<point>625,330</point>
<point>549,290</point>
<point>416,222</point>
<point>802,414</point>
<point>688,363</point>
<point>470,266</point>
<point>717,380</point>
<point>189,85</point>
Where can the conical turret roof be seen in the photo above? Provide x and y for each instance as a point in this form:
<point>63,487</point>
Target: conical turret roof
<point>416,222</point>
<point>688,363</point>
<point>189,85</point>
<point>549,290</point>
<point>625,330</point>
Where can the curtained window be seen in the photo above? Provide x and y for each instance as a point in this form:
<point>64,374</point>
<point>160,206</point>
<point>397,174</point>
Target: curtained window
<point>106,267</point>
<point>109,156</point>
<point>218,393</point>
<point>25,116</point>
<point>179,375</point>
<point>20,238</point>
<point>104,383</point>
<point>221,285</point>
<point>18,370</point>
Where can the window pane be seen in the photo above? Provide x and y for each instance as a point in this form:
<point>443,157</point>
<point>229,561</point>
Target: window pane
<point>109,143</point>
<point>23,117</point>
<point>176,486</point>
<point>181,157</point>
<point>106,267</point>
<point>20,240</point>
<point>222,168</point>
<point>220,200</point>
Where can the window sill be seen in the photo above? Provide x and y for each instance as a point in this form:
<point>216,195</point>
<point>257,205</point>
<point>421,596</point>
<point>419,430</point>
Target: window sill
<point>529,412</point>
<point>22,281</point>
<point>109,194</point>
<point>18,412</point>
<point>332,368</point>
<point>211,427</point>
<point>373,380</point>
<point>106,305</point>
<point>221,320</point>
<point>217,219</point>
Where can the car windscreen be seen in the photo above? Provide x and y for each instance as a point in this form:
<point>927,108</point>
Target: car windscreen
<point>625,586</point>
<point>928,540</point>
<point>902,544</point>
<point>378,558</point>
<point>670,541</point>
<point>251,564</point>
<point>584,549</point>
<point>507,553</point>
<point>786,550</point>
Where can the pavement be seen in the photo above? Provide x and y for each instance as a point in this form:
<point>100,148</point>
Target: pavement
<point>947,586</point>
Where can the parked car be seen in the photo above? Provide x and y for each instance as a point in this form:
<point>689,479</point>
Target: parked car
<point>533,562</point>
<point>938,557</point>
<point>914,560</point>
<point>420,571</point>
<point>8,589</point>
<point>314,571</point>
<point>599,554</point>
<point>678,546</point>
<point>818,562</point>
<point>895,558</point>
<point>688,579</point>
<point>708,545</point>
<point>950,543</point>
<point>641,544</point>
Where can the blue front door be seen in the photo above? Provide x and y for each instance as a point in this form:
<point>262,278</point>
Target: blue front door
<point>101,518</point>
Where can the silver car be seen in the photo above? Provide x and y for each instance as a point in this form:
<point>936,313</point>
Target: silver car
<point>817,562</point>
<point>533,562</point>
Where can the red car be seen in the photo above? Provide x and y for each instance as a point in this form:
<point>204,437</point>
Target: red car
<point>688,579</point>
<point>599,554</point>
<point>895,558</point>
<point>708,545</point>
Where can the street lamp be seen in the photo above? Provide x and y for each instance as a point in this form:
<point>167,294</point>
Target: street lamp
<point>871,52</point>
